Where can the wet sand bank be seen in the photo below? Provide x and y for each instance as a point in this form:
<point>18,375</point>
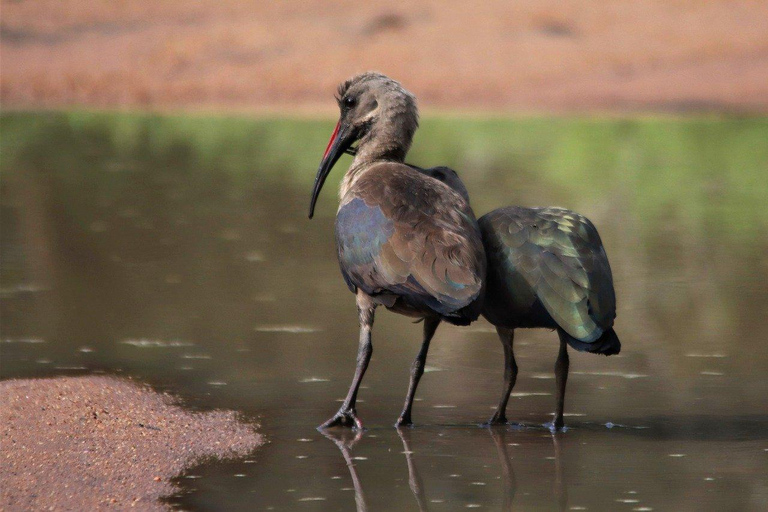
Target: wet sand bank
<point>87,443</point>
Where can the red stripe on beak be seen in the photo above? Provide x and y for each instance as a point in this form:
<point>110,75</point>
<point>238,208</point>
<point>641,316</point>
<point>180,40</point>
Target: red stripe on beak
<point>333,137</point>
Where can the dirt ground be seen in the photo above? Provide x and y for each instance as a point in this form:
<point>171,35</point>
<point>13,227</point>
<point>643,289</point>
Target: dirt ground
<point>542,55</point>
<point>90,443</point>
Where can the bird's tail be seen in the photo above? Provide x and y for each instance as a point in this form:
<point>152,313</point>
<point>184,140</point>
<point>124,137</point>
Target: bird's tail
<point>608,344</point>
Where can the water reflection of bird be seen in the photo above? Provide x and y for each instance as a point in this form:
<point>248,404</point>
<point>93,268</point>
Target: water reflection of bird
<point>414,479</point>
<point>345,443</point>
<point>507,471</point>
<point>546,268</point>
<point>499,437</point>
<point>404,240</point>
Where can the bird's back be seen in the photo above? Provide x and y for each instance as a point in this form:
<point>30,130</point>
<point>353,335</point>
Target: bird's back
<point>547,268</point>
<point>412,242</point>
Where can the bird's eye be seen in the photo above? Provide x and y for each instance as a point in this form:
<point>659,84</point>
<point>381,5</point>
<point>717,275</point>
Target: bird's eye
<point>350,101</point>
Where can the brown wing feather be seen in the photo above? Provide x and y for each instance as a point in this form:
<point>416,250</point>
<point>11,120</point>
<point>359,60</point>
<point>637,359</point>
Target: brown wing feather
<point>435,248</point>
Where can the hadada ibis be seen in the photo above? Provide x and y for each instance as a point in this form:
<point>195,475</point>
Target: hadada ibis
<point>547,267</point>
<point>405,240</point>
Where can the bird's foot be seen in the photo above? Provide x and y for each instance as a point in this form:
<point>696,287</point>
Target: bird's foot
<point>556,425</point>
<point>344,418</point>
<point>496,419</point>
<point>404,421</point>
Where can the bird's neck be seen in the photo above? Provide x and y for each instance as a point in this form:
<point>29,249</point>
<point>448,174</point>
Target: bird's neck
<point>377,146</point>
<point>384,142</point>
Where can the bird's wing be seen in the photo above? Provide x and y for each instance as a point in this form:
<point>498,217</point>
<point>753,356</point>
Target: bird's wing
<point>559,254</point>
<point>402,233</point>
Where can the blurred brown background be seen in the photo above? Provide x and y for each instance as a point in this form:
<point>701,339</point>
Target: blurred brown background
<point>523,55</point>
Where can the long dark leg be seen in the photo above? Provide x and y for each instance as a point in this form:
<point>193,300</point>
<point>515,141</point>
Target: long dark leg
<point>414,480</point>
<point>561,377</point>
<point>510,375</point>
<point>347,415</point>
<point>417,370</point>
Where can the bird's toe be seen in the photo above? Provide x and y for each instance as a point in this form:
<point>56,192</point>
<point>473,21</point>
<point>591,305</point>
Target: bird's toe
<point>403,421</point>
<point>496,419</point>
<point>343,418</point>
<point>557,425</point>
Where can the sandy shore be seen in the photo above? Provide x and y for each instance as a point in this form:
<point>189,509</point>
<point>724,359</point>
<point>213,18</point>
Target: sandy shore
<point>547,55</point>
<point>89,443</point>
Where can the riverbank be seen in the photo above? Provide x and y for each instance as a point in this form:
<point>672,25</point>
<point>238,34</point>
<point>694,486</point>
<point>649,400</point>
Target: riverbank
<point>86,443</point>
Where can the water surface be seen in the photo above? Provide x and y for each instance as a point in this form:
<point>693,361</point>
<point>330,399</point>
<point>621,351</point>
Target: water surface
<point>176,250</point>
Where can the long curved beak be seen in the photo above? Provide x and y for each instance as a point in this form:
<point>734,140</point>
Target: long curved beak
<point>341,140</point>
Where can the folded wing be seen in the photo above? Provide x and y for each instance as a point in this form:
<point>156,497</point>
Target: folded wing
<point>402,234</point>
<point>554,256</point>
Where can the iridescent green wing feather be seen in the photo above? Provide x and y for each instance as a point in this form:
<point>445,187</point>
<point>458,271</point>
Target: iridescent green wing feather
<point>559,255</point>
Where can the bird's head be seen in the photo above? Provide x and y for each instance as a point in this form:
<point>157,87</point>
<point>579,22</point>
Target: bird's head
<point>376,111</point>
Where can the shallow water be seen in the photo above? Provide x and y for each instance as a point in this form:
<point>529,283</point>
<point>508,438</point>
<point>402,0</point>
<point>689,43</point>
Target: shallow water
<point>177,251</point>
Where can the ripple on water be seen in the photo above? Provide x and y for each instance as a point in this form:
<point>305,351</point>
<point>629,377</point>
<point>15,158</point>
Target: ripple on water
<point>147,343</point>
<point>19,289</point>
<point>23,340</point>
<point>309,380</point>
<point>614,374</point>
<point>481,328</point>
<point>293,329</point>
<point>255,257</point>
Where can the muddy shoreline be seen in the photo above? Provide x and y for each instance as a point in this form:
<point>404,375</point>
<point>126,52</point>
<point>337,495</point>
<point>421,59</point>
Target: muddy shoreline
<point>87,443</point>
